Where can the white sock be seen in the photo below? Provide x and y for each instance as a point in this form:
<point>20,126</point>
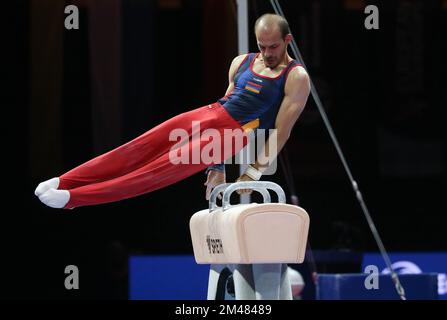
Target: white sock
<point>46,185</point>
<point>55,198</point>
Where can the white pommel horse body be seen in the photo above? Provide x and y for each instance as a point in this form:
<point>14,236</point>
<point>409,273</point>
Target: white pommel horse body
<point>254,241</point>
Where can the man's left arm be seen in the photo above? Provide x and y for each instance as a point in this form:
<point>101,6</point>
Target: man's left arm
<point>296,92</point>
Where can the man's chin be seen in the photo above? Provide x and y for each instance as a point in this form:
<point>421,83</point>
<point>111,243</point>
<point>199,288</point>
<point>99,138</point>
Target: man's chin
<point>270,65</point>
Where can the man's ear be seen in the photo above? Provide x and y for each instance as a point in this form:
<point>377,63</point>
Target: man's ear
<point>288,38</point>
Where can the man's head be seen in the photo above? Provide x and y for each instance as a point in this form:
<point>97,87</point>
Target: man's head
<point>272,35</point>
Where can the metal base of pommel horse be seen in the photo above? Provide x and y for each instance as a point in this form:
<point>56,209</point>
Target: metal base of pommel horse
<point>253,241</point>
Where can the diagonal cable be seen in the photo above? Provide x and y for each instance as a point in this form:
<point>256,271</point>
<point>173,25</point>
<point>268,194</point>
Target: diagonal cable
<point>400,290</point>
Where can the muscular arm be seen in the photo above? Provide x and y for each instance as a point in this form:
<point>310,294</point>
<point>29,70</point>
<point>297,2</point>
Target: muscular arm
<point>232,72</point>
<point>296,92</point>
<point>216,173</point>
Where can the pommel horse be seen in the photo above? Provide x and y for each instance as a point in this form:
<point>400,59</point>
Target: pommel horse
<point>254,241</point>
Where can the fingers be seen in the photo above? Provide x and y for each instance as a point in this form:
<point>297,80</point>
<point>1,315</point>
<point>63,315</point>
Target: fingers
<point>209,188</point>
<point>244,191</point>
<point>214,179</point>
<point>207,180</point>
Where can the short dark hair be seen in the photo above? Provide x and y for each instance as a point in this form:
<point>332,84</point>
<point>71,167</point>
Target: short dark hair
<point>282,23</point>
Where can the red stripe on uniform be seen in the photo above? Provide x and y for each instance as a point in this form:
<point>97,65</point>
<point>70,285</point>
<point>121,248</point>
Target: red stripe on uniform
<point>254,84</point>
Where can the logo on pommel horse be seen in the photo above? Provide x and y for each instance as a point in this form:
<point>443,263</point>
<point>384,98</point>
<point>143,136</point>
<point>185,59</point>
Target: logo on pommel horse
<point>214,245</point>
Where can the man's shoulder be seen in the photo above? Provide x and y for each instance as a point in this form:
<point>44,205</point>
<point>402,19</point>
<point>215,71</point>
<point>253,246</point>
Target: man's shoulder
<point>298,81</point>
<point>240,57</point>
<point>237,61</point>
<point>297,73</point>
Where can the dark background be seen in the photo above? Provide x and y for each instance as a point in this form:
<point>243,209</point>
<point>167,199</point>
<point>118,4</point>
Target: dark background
<point>72,94</point>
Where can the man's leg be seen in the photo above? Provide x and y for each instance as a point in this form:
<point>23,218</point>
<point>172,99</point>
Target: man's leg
<point>128,157</point>
<point>148,175</point>
<point>132,155</point>
<point>158,174</point>
<point>155,175</point>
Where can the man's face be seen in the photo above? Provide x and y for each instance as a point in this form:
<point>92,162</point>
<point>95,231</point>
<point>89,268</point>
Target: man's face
<point>272,46</point>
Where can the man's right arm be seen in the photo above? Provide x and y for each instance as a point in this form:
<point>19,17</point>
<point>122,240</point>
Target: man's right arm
<point>216,173</point>
<point>231,73</point>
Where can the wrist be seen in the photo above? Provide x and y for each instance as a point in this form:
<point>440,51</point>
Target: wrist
<point>216,167</point>
<point>253,173</point>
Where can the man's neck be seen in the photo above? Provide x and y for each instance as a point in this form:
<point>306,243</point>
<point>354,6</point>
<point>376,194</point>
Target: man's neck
<point>284,62</point>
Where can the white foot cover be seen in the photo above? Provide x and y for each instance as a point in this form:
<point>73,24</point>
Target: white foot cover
<point>55,198</point>
<point>46,185</point>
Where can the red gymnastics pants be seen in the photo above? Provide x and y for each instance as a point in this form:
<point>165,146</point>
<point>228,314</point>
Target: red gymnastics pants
<point>143,164</point>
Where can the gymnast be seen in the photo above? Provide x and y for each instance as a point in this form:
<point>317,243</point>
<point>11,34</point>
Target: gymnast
<point>267,90</point>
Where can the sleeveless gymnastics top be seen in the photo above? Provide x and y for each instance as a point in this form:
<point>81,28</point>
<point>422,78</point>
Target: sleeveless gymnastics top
<point>256,96</point>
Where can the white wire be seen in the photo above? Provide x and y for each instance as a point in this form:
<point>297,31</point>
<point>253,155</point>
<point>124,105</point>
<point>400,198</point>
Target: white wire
<point>400,290</point>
